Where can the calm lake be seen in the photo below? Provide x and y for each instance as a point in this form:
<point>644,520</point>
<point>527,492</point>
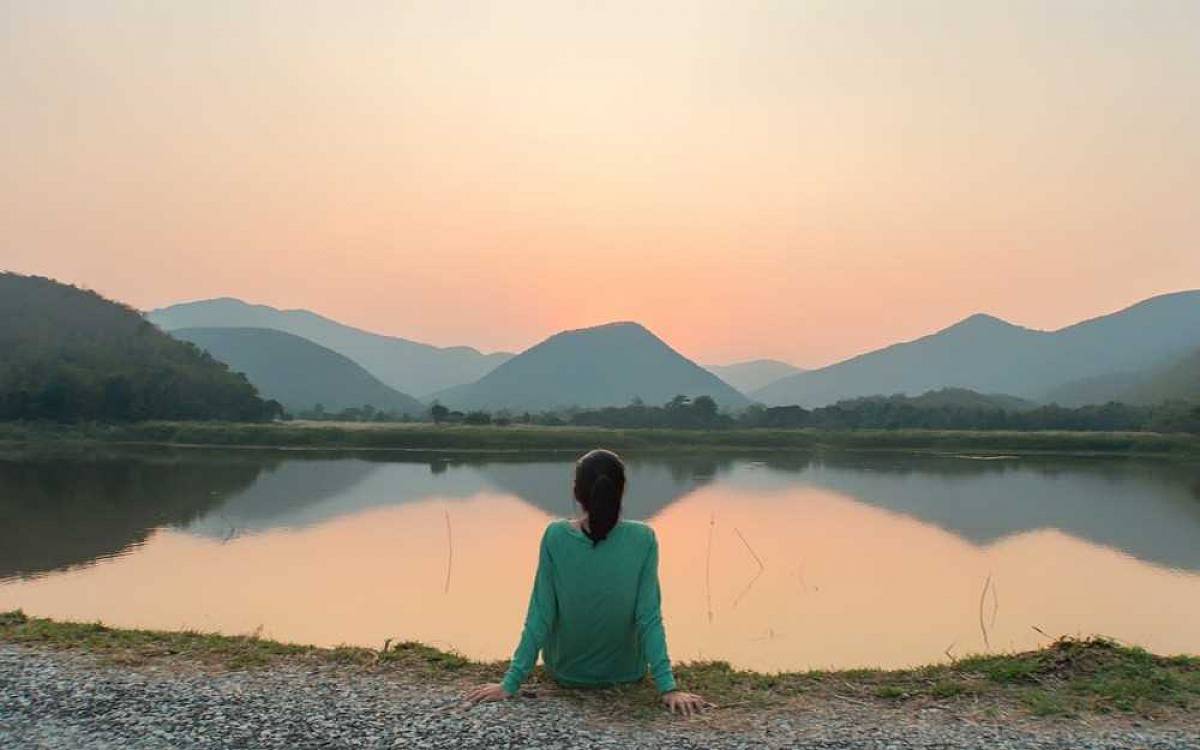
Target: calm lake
<point>786,561</point>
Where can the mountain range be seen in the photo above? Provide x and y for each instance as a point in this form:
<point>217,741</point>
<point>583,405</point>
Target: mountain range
<point>607,365</point>
<point>989,355</point>
<point>754,374</point>
<point>1145,353</point>
<point>407,366</point>
<point>298,373</point>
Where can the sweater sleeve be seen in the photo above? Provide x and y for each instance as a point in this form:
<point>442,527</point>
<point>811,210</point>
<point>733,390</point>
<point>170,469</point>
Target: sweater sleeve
<point>648,617</point>
<point>543,610</point>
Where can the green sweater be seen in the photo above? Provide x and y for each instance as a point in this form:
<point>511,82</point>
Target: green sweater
<point>595,611</point>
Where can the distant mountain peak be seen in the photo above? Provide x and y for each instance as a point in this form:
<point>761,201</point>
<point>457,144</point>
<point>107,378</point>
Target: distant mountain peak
<point>604,365</point>
<point>751,375</point>
<point>990,355</point>
<point>616,325</point>
<point>981,321</point>
<point>404,365</point>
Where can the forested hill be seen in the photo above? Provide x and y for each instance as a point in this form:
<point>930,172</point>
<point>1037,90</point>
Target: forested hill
<point>71,355</point>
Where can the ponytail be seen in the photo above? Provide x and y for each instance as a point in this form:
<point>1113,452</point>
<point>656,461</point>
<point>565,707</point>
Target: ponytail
<point>604,505</point>
<point>599,486</point>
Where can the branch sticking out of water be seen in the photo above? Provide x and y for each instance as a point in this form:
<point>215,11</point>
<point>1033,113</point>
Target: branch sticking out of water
<point>746,590</point>
<point>449,554</point>
<point>987,585</point>
<point>754,554</point>
<point>995,606</point>
<point>712,522</point>
<point>757,559</point>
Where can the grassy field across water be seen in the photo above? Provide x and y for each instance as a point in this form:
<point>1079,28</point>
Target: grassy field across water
<point>1068,677</point>
<point>427,437</point>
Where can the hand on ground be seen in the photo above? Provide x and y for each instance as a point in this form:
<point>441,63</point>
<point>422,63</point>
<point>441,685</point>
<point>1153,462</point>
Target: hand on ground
<point>686,704</point>
<point>486,694</point>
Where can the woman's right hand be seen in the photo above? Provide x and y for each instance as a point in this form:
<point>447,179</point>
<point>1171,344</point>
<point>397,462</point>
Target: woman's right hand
<point>686,704</point>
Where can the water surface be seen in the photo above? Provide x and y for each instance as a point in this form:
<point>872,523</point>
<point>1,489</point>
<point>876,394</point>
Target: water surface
<point>785,562</point>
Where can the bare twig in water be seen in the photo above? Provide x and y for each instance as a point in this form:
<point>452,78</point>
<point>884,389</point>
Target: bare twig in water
<point>449,553</point>
<point>232,533</point>
<point>751,549</point>
<point>949,652</point>
<point>746,590</point>
<point>712,522</point>
<point>757,559</point>
<point>1043,632</point>
<point>770,636</point>
<point>987,584</point>
<point>995,606</point>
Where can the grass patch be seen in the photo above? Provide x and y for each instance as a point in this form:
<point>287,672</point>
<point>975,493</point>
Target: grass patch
<point>1070,677</point>
<point>429,437</point>
<point>1067,678</point>
<point>1045,703</point>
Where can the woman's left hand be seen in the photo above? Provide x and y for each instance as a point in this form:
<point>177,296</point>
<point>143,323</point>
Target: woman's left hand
<point>687,704</point>
<point>487,693</point>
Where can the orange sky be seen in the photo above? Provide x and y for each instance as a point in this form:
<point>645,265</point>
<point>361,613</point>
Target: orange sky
<point>803,180</point>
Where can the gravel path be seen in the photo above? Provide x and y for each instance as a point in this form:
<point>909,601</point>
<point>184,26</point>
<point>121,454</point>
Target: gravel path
<point>61,700</point>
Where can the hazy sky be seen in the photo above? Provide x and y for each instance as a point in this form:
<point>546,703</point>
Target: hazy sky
<point>803,180</point>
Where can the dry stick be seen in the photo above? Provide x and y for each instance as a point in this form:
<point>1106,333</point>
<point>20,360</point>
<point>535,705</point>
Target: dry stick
<point>712,521</point>
<point>987,584</point>
<point>746,590</point>
<point>232,533</point>
<point>995,606</point>
<point>387,644</point>
<point>848,699</point>
<point>761,568</point>
<point>450,554</point>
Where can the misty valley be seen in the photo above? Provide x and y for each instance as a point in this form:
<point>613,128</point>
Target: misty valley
<point>775,562</point>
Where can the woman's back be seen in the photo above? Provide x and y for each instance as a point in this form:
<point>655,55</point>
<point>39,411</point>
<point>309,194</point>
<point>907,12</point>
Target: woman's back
<point>597,589</point>
<point>595,609</point>
<point>595,614</point>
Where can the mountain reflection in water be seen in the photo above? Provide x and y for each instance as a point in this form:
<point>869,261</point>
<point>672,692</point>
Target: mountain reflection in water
<point>780,561</point>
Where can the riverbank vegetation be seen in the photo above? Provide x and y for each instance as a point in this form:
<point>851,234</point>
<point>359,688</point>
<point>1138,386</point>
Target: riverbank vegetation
<point>1069,677</point>
<point>944,409</point>
<point>512,438</point>
<point>948,409</point>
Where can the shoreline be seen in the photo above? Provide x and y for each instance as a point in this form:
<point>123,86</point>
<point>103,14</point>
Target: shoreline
<point>428,438</point>
<point>1068,679</point>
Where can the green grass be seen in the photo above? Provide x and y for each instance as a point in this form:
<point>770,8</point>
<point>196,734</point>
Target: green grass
<point>426,437</point>
<point>127,646</point>
<point>1070,677</point>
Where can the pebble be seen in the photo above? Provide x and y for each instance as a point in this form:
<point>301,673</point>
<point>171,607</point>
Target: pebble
<point>57,700</point>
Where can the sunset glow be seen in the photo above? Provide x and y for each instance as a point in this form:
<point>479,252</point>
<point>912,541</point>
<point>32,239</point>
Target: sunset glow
<point>803,181</point>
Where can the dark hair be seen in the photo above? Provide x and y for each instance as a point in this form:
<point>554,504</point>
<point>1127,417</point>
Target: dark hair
<point>599,485</point>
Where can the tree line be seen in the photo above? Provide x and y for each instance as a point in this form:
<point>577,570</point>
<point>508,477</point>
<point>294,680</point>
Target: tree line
<point>879,413</point>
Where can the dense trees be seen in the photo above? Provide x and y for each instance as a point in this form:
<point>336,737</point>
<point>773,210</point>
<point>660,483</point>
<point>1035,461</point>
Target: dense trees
<point>901,412</point>
<point>69,355</point>
<point>681,411</point>
<point>950,409</point>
